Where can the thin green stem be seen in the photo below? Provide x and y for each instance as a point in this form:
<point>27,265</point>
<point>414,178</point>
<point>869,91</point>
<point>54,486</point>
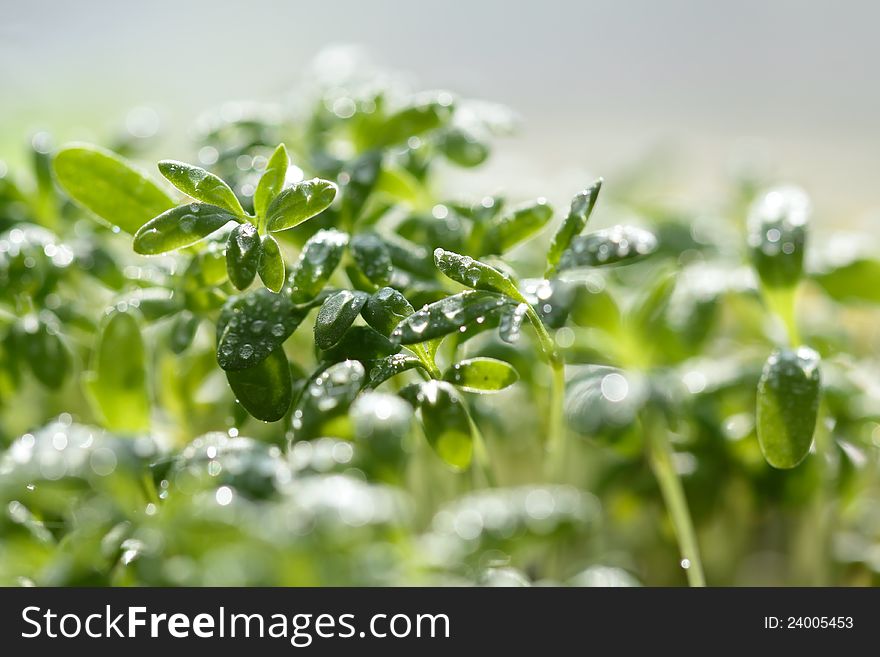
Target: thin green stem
<point>660,452</point>
<point>782,302</point>
<point>481,453</point>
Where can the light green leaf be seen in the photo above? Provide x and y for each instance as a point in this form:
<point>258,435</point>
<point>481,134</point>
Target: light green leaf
<point>118,380</point>
<point>516,225</point>
<point>481,375</point>
<point>110,186</point>
<point>266,389</point>
<point>180,227</point>
<point>271,264</point>
<point>299,203</point>
<point>788,402</point>
<point>581,208</point>
<point>372,257</point>
<point>426,114</point>
<point>272,181</point>
<point>446,423</point>
<point>201,185</point>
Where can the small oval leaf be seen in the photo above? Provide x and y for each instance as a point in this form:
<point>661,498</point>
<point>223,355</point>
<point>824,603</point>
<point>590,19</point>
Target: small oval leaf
<point>271,264</point>
<point>777,226</point>
<point>266,389</point>
<point>319,258</point>
<point>520,223</point>
<point>201,185</point>
<point>581,208</point>
<point>118,381</point>
<point>446,423</point>
<point>475,274</point>
<point>298,203</point>
<point>360,343</point>
<point>336,315</point>
<point>243,255</point>
<point>449,315</point>
<point>272,181</point>
<point>180,227</point>
<point>252,325</point>
<point>788,402</point>
<point>385,309</point>
<point>607,247</point>
<point>49,358</point>
<point>481,374</point>
<point>110,186</point>
<point>372,257</point>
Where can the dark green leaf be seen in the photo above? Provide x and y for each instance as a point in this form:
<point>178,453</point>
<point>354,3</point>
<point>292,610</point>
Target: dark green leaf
<point>388,367</point>
<point>788,402</point>
<point>358,179</point>
<point>180,227</point>
<point>118,381</point>
<point>449,315</point>
<point>271,264</point>
<point>446,423</point>
<point>607,247</point>
<point>252,325</point>
<point>201,185</point>
<point>183,330</point>
<point>49,358</point>
<point>777,227</point>
<point>243,255</point>
<point>272,181</point>
<point>475,274</point>
<point>327,394</point>
<point>299,203</point>
<point>463,147</point>
<point>372,257</point>
<point>385,309</point>
<point>319,258</point>
<point>266,389</point>
<point>581,208</point>
<point>481,374</point>
<point>336,315</point>
<point>360,343</point>
<point>109,186</point>
<point>603,401</point>
<point>514,226</point>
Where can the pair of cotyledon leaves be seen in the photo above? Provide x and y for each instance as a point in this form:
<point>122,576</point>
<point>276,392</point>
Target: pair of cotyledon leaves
<point>117,192</point>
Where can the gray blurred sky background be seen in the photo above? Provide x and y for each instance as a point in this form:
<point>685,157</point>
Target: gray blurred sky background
<point>599,84</point>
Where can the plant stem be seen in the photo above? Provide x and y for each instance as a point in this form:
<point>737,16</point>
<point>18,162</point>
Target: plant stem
<point>556,424</point>
<point>481,454</point>
<point>660,452</point>
<point>782,303</point>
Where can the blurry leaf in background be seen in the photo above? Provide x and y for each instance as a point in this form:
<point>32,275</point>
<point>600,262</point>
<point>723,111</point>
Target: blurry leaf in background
<point>446,423</point>
<point>266,389</point>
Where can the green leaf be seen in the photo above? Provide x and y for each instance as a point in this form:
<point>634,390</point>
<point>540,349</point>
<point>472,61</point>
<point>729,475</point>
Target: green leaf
<point>266,389</point>
<point>475,274</point>
<point>391,366</point>
<point>603,402</point>
<point>272,181</point>
<point>252,325</point>
<point>855,281</point>
<point>463,148</point>
<point>180,227</point>
<point>118,380</point>
<point>358,179</point>
<point>385,309</point>
<point>319,258</point>
<point>372,257</point>
<point>428,113</point>
<point>511,322</point>
<point>517,225</point>
<point>360,343</point>
<point>581,208</point>
<point>446,423</point>
<point>243,255</point>
<point>299,203</point>
<point>449,315</point>
<point>201,185</point>
<point>788,402</point>
<point>481,374</point>
<point>382,422</point>
<point>336,315</point>
<point>326,395</point>
<point>109,186</point>
<point>40,341</point>
<point>777,227</point>
<point>183,330</point>
<point>271,264</point>
<point>607,247</point>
